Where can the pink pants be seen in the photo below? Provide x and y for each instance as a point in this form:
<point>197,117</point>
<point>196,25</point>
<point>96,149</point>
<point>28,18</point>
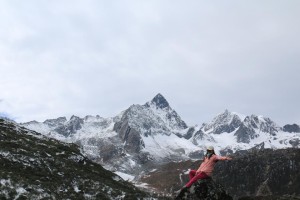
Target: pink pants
<point>194,177</point>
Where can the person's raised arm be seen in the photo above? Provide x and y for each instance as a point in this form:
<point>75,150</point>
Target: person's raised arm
<point>223,158</point>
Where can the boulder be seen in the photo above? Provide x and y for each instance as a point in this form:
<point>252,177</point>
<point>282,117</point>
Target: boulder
<point>204,189</point>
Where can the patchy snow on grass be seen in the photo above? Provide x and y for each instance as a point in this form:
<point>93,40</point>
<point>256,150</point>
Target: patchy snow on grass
<point>126,177</point>
<point>20,191</point>
<point>76,189</point>
<point>5,182</point>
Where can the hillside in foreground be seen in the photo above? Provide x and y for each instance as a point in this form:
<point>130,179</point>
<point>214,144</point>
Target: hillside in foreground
<point>36,167</point>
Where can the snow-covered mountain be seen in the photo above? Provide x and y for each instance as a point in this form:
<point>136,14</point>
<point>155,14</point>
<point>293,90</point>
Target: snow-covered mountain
<point>224,122</point>
<point>231,131</point>
<point>144,135</point>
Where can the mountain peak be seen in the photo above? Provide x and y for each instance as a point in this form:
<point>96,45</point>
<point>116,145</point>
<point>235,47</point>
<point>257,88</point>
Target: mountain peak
<point>74,117</point>
<point>223,115</point>
<point>224,122</point>
<point>226,112</point>
<point>160,101</point>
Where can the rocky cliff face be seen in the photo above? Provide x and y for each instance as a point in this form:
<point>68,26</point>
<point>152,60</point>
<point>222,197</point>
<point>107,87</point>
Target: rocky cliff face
<point>262,172</point>
<point>291,128</point>
<point>245,134</point>
<point>67,128</point>
<point>133,142</point>
<point>253,125</point>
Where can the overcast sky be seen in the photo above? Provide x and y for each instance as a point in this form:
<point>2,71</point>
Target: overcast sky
<point>91,57</point>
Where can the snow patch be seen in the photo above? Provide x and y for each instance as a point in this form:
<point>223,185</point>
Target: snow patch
<point>124,176</point>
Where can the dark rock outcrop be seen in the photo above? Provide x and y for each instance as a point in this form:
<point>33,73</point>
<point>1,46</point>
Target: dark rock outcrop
<point>205,189</point>
<point>262,172</point>
<point>189,133</point>
<point>131,137</point>
<point>271,197</point>
<point>160,101</point>
<point>244,134</point>
<point>71,127</point>
<point>295,142</point>
<point>291,128</point>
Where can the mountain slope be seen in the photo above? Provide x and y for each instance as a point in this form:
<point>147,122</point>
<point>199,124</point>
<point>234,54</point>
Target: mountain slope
<point>36,167</point>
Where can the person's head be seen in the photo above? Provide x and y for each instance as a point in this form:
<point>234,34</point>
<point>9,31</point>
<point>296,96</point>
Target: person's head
<point>210,151</point>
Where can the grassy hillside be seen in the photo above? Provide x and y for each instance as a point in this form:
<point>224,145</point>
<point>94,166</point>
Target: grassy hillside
<point>36,167</point>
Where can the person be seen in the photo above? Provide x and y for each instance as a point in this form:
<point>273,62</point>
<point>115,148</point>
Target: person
<point>206,168</point>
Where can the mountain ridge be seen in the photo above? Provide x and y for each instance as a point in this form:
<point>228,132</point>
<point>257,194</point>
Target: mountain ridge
<point>145,135</point>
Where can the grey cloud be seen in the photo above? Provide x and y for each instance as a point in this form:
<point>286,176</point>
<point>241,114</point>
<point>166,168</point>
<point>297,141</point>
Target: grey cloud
<point>99,57</point>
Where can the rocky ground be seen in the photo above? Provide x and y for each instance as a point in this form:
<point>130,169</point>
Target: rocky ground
<point>205,189</point>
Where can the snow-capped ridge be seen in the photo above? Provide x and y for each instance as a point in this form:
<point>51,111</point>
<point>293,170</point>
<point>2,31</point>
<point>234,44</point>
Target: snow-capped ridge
<point>159,101</point>
<point>161,107</point>
<point>93,118</point>
<point>56,122</point>
<point>241,116</point>
<point>223,122</point>
<point>74,117</point>
<point>154,131</point>
<point>261,123</point>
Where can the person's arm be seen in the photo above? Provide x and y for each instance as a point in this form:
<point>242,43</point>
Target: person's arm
<point>223,158</point>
